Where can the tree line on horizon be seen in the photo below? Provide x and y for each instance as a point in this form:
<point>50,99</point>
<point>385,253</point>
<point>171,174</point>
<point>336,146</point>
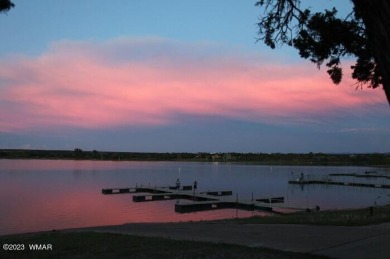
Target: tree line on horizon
<point>368,159</point>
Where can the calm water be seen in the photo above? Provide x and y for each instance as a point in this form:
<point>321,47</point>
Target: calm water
<point>45,194</point>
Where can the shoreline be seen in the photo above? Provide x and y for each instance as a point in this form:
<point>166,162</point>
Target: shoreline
<point>355,234</point>
<point>370,241</point>
<point>354,217</point>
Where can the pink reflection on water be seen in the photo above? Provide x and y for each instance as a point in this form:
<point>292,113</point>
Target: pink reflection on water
<point>86,210</point>
<point>54,165</point>
<point>41,209</point>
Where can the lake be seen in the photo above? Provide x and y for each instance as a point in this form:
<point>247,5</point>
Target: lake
<point>39,195</point>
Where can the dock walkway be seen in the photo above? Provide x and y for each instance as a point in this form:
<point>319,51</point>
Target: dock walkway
<point>190,200</point>
<point>333,182</point>
<point>372,179</point>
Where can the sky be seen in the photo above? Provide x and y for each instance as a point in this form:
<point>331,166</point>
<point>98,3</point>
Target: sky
<point>172,76</point>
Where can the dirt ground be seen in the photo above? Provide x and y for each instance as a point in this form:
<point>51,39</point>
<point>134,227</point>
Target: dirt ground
<point>334,241</point>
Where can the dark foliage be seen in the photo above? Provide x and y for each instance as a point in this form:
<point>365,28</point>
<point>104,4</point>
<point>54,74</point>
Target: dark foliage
<point>6,5</point>
<point>320,37</point>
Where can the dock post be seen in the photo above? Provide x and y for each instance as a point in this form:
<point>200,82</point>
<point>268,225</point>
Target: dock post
<point>236,205</point>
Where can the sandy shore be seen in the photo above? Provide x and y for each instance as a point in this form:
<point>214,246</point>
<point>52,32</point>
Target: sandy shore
<point>335,241</point>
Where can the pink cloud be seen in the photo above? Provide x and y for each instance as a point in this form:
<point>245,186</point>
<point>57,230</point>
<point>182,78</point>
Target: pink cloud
<point>127,82</point>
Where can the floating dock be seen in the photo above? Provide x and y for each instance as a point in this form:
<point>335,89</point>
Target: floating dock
<point>363,175</point>
<point>201,201</point>
<point>332,182</point>
<point>147,189</point>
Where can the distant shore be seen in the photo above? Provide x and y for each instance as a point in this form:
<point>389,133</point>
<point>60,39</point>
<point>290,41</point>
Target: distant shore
<point>322,159</point>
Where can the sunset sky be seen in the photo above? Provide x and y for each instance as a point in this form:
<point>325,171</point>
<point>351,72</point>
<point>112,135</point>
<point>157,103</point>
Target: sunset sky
<point>172,76</point>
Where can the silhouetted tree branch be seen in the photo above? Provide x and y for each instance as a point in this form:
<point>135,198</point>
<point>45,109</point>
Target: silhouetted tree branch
<point>324,38</point>
<point>5,6</point>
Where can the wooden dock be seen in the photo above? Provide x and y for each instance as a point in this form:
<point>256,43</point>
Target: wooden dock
<point>148,189</point>
<point>332,182</point>
<point>189,200</point>
<point>363,175</point>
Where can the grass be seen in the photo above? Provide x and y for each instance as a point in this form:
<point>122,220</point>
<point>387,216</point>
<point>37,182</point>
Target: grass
<point>355,217</point>
<point>104,245</point>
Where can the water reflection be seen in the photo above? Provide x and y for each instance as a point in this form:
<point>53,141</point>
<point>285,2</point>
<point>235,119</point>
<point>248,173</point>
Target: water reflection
<point>46,194</point>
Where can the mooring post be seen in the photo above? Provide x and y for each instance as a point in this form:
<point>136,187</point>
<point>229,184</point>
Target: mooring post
<point>236,205</point>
